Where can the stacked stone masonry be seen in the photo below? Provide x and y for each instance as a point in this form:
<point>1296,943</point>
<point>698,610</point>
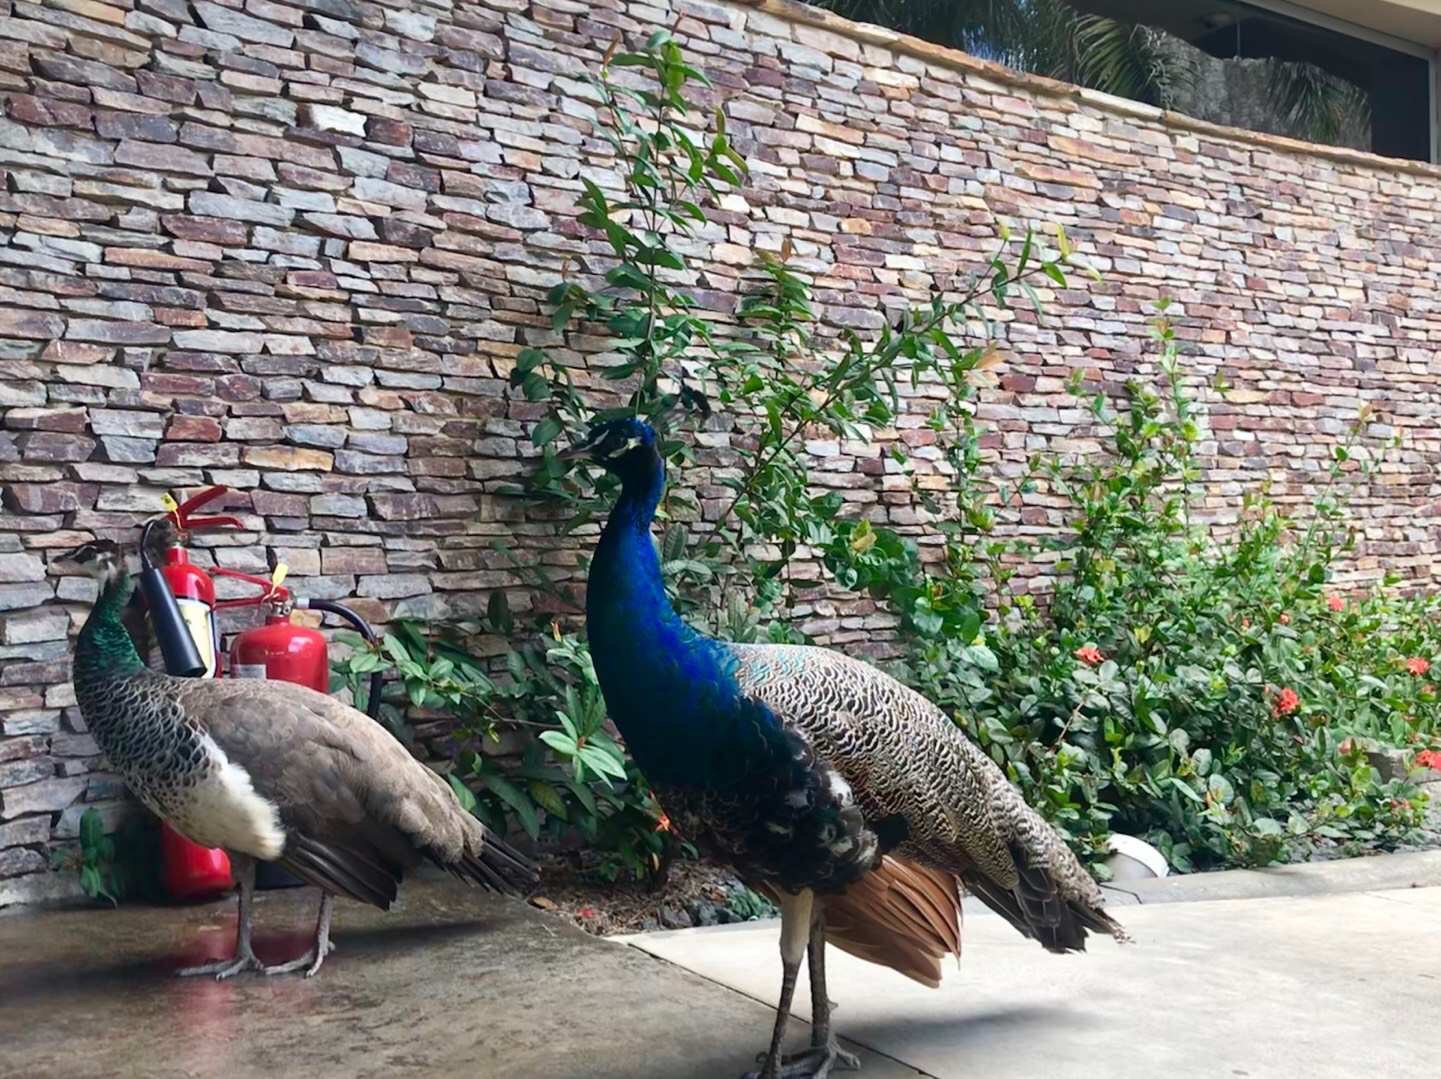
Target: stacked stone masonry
<point>294,247</point>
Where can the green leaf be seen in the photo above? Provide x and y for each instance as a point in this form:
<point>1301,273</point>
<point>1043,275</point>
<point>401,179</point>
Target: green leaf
<point>548,798</point>
<point>982,657</point>
<point>519,803</point>
<point>1185,788</point>
<point>535,387</point>
<point>463,794</point>
<point>968,624</point>
<point>1221,788</point>
<point>559,741</point>
<point>497,611</point>
<point>92,828</point>
<point>546,430</point>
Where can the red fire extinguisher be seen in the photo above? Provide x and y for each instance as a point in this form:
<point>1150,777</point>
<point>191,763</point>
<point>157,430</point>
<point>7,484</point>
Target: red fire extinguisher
<point>279,649</point>
<point>190,870</point>
<point>283,650</point>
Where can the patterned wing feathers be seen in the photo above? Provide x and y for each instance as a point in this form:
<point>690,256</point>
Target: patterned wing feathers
<point>902,756</point>
<point>358,808</point>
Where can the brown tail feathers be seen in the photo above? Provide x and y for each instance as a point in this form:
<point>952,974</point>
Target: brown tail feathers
<point>902,915</point>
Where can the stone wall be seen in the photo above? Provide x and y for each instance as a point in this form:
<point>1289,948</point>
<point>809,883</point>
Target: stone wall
<point>293,247</point>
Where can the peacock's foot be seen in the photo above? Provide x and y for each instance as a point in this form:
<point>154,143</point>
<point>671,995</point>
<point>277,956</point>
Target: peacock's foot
<point>816,1062</point>
<point>224,968</point>
<point>309,962</point>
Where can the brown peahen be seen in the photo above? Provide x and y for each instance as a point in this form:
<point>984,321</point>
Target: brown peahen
<point>848,797</point>
<point>275,772</point>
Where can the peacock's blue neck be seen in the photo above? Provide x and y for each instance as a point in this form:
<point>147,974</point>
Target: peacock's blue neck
<point>669,689</point>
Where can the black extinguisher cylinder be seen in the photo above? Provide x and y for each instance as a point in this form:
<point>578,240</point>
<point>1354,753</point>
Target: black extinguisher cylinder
<point>177,647</point>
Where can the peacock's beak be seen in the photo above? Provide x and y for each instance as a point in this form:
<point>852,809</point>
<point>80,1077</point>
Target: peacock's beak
<point>581,449</point>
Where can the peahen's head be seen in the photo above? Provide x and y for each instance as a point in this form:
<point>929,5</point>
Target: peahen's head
<point>102,559</point>
<point>627,447</point>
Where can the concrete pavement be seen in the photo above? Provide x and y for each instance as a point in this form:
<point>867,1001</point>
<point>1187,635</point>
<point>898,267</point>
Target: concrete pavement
<point>457,982</point>
<point>1317,987</point>
<point>454,982</point>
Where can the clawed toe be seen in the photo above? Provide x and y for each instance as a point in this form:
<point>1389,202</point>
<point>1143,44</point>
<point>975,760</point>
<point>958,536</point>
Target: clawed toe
<point>816,1062</point>
<point>223,968</point>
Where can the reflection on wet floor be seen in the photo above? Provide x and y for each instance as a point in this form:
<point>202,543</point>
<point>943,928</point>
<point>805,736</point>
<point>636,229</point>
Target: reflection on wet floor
<point>454,981</point>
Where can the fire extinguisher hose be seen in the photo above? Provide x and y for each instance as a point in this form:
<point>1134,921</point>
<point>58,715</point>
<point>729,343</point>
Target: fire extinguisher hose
<point>377,679</point>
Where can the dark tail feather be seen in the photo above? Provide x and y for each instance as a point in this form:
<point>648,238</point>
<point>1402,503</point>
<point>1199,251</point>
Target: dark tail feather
<point>1038,910</point>
<point>342,870</point>
<point>497,866</point>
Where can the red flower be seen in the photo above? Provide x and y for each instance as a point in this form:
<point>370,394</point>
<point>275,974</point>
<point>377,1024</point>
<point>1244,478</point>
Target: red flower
<point>1429,758</point>
<point>1336,603</point>
<point>1417,665</point>
<point>585,912</point>
<point>1284,619</point>
<point>662,823</point>
<point>1090,655</point>
<point>1287,701</point>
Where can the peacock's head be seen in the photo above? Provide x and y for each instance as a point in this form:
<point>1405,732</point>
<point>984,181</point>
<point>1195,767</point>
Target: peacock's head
<point>102,559</point>
<point>626,446</point>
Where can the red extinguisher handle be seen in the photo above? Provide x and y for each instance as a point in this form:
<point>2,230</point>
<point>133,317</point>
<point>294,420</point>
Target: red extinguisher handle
<point>269,590</point>
<point>184,514</point>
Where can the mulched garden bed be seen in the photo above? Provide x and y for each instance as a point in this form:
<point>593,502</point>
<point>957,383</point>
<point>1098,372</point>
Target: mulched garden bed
<point>694,893</point>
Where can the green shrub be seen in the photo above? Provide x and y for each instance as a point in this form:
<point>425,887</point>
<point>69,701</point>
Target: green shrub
<point>570,777</point>
<point>1193,691</point>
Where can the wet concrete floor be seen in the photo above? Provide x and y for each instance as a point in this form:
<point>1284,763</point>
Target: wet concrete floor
<point>452,982</point>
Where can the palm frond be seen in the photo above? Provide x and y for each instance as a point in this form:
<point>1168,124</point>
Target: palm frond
<point>1315,104</point>
<point>1128,61</point>
<point>1050,37</point>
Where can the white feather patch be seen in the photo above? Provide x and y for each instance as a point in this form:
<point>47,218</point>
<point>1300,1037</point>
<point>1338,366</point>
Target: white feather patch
<point>224,810</point>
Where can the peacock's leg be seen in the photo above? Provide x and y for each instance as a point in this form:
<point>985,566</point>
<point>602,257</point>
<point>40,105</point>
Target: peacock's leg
<point>825,1052</point>
<point>311,960</point>
<point>244,958</point>
<point>795,929</point>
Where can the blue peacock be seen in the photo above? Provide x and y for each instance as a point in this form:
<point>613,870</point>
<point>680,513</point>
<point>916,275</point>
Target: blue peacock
<point>849,798</point>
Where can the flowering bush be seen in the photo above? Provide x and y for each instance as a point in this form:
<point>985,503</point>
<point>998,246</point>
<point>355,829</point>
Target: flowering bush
<point>1191,691</point>
<point>1287,701</point>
